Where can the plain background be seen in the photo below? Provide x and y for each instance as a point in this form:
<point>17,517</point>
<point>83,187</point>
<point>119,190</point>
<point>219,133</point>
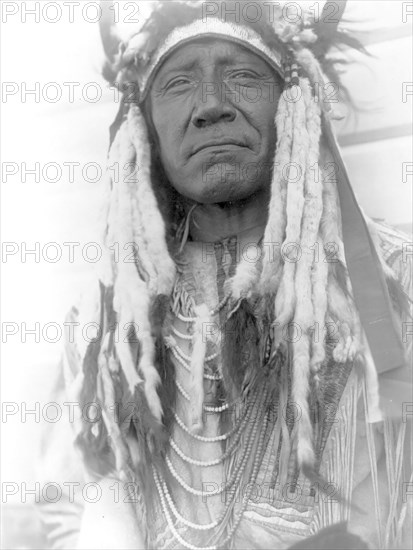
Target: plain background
<point>375,146</point>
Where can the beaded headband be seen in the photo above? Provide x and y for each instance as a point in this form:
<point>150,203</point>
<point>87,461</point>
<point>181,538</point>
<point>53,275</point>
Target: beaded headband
<point>211,27</point>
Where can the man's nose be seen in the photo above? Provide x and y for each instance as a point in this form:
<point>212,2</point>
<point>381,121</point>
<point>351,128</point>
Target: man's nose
<point>212,106</point>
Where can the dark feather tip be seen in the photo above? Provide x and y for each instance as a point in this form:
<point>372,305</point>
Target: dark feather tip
<point>334,537</point>
<point>324,486</point>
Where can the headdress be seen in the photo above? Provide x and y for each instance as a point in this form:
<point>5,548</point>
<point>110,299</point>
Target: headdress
<point>354,292</point>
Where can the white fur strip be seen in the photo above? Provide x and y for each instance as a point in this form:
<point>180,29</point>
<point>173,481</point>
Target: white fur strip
<point>128,365</point>
<point>143,257</point>
<point>126,277</point>
<point>245,278</point>
<point>319,278</point>
<point>131,297</point>
<point>153,222</point>
<point>295,206</point>
<point>300,393</point>
<point>274,231</point>
<point>313,68</point>
<point>346,321</point>
<point>311,217</point>
<point>197,366</point>
<point>108,215</point>
<point>304,314</point>
<point>331,230</point>
<point>311,213</point>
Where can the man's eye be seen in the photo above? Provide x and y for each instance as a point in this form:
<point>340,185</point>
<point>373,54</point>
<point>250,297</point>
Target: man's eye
<point>242,78</point>
<point>243,74</point>
<point>177,82</point>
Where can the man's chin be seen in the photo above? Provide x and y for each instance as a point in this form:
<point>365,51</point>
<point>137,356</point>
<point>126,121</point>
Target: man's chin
<point>217,190</point>
<point>243,174</point>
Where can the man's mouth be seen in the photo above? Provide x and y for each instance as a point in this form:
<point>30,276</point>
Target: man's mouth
<point>223,144</point>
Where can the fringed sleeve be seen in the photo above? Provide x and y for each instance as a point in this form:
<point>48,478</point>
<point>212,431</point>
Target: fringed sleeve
<point>370,463</point>
<point>59,462</point>
<point>74,519</point>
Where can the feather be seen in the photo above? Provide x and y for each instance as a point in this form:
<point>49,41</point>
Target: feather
<point>335,536</point>
<point>239,347</point>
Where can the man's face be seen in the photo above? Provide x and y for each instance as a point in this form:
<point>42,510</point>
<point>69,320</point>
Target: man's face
<point>213,107</point>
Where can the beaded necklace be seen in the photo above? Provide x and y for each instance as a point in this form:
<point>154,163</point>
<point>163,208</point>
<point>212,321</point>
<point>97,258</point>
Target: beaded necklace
<point>251,426</point>
<point>168,504</point>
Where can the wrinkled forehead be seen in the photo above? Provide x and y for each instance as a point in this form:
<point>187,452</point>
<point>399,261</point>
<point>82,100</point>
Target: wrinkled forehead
<point>212,53</point>
<point>213,30</point>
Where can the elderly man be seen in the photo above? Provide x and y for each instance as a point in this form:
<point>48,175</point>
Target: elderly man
<point>250,338</point>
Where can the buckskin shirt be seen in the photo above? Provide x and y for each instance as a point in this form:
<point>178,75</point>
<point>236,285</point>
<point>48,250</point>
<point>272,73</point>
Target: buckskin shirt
<point>278,513</point>
<point>246,383</point>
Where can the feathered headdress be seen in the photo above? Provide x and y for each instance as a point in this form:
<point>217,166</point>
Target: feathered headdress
<point>318,206</point>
